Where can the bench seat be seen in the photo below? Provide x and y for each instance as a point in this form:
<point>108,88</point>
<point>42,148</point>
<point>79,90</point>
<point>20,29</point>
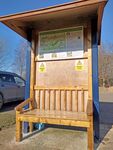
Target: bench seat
<point>38,114</point>
<point>55,117</point>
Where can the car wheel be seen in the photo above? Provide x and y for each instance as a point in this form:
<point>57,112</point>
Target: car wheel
<point>1,101</point>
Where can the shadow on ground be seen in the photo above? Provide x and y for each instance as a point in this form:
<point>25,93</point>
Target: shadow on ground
<point>106,121</point>
<point>9,106</point>
<point>106,109</point>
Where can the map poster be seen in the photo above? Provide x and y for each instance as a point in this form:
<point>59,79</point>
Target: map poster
<point>61,44</point>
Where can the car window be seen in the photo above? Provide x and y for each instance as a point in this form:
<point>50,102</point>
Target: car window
<point>19,81</point>
<point>7,78</point>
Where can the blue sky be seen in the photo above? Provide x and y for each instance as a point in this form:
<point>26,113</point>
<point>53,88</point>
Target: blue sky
<point>14,6</point>
<point>107,23</point>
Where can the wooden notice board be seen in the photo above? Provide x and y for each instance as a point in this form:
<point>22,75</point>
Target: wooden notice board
<point>60,61</point>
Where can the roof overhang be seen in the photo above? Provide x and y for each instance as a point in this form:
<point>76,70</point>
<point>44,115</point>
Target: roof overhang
<point>53,16</point>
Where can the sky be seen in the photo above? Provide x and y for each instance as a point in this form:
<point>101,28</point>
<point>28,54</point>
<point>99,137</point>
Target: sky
<point>14,6</point>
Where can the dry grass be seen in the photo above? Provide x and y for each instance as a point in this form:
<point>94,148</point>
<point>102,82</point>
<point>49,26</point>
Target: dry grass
<point>7,119</point>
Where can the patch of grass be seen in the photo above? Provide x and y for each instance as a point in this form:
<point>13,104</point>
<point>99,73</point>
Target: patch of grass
<point>7,120</point>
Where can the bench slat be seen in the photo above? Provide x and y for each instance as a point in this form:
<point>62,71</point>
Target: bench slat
<point>68,115</point>
<point>62,99</point>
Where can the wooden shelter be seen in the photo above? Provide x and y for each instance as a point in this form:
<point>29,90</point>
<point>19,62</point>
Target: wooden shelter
<point>64,65</point>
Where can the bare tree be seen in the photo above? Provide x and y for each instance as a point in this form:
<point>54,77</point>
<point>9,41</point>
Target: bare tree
<point>19,64</point>
<point>106,63</point>
<point>4,55</point>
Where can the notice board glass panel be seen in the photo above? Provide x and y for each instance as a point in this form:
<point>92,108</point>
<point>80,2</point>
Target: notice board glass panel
<point>61,44</point>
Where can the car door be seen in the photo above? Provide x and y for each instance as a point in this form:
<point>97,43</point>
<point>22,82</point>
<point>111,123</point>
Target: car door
<point>8,87</point>
<point>20,87</point>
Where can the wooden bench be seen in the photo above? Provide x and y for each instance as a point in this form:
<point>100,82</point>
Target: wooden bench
<point>61,106</point>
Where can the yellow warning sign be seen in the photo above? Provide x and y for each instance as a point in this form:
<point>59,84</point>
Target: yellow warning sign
<point>42,67</point>
<point>79,65</point>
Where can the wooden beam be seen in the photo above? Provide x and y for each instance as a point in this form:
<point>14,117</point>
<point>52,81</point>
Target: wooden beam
<point>16,29</point>
<point>55,121</point>
<point>66,6</point>
<point>21,105</point>
<point>84,88</point>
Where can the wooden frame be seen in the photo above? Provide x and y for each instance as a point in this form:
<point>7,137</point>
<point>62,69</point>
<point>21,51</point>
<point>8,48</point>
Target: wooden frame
<point>78,122</point>
<point>81,28</point>
<point>52,103</point>
<point>85,119</point>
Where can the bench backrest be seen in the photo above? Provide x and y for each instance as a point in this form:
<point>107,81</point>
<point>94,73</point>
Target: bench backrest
<point>62,99</point>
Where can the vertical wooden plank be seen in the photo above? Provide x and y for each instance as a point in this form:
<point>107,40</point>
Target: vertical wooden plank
<point>46,100</point>
<point>89,62</point>
<point>73,101</point>
<point>85,100</point>
<point>49,99</point>
<point>38,99</point>
<point>76,100</point>
<point>70,100</point>
<point>67,97</point>
<point>62,100</point>
<point>65,100</point>
<point>79,101</point>
<point>90,135</point>
<point>59,100</point>
<point>85,39</point>
<point>43,99</point>
<point>18,128</point>
<point>18,131</point>
<point>90,93</point>
<point>82,100</point>
<point>33,66</point>
<point>32,73</point>
<point>30,127</point>
<point>52,101</point>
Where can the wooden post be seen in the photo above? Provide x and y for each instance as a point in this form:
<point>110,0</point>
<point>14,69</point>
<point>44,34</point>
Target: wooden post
<point>90,135</point>
<point>18,128</point>
<point>32,73</point>
<point>95,77</point>
<point>90,94</point>
<point>27,87</point>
